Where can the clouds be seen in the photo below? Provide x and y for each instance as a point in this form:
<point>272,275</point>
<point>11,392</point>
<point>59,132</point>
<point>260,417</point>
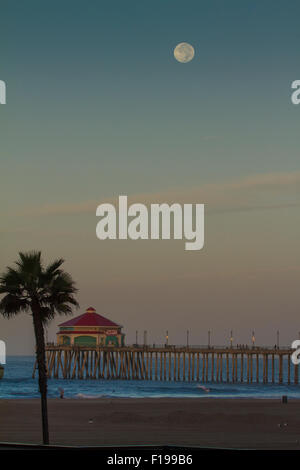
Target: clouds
<point>268,191</point>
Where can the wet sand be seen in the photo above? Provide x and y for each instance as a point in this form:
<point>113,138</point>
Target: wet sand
<point>226,423</point>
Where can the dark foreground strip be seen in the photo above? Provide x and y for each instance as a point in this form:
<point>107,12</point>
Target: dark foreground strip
<point>140,457</point>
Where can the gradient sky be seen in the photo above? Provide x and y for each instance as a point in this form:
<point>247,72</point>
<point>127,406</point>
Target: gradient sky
<point>97,107</point>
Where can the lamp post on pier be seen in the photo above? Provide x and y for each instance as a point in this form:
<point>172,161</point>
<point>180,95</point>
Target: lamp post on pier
<point>167,338</point>
<point>253,339</point>
<point>231,339</point>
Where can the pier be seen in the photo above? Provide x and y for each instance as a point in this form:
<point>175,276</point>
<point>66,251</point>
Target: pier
<point>172,363</point>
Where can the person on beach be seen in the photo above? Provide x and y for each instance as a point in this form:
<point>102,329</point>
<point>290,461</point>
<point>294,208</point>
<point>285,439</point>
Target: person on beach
<point>207,390</point>
<point>61,393</point>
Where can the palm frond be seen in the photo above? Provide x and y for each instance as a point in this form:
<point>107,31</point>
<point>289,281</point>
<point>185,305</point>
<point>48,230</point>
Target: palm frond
<point>53,267</point>
<point>11,305</point>
<point>30,261</point>
<point>51,288</point>
<point>29,268</point>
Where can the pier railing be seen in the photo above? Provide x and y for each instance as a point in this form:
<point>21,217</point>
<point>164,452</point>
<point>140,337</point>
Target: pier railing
<point>244,364</point>
<point>177,347</point>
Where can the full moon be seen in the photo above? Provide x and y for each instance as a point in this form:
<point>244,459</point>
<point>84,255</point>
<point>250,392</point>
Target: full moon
<point>184,52</point>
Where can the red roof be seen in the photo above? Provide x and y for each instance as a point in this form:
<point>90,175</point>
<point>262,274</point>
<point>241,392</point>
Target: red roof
<point>83,332</point>
<point>90,318</point>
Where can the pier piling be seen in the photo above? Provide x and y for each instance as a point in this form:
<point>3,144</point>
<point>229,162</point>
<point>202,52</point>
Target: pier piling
<point>171,363</point>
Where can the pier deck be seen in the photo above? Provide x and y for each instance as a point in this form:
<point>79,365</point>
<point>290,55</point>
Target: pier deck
<point>173,363</point>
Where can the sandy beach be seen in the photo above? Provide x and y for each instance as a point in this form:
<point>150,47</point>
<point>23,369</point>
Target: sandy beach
<point>233,423</point>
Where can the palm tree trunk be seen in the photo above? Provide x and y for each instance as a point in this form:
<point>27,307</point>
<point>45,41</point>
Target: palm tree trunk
<point>41,360</point>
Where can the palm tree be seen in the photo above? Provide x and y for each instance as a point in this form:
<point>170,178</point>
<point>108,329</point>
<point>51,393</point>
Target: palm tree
<point>43,292</point>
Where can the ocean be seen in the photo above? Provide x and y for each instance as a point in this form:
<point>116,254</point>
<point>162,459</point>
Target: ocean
<point>18,383</point>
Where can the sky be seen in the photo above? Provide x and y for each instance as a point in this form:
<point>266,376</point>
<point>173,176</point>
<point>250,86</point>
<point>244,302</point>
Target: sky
<point>97,107</point>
